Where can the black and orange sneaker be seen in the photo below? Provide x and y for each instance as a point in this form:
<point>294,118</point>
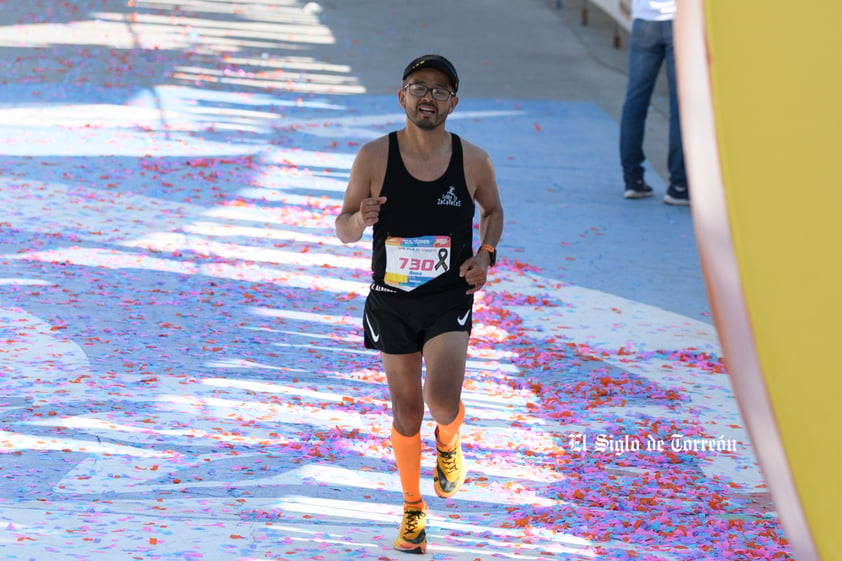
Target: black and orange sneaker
<point>450,471</point>
<point>412,537</point>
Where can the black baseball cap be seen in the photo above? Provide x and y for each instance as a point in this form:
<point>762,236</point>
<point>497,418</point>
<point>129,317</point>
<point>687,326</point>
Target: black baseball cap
<point>436,62</point>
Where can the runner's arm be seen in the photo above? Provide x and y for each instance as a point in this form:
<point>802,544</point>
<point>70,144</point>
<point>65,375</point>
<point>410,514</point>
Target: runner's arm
<point>487,197</point>
<point>360,207</point>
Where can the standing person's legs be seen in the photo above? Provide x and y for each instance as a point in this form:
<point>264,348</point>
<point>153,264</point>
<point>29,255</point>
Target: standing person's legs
<point>646,53</point>
<point>675,159</point>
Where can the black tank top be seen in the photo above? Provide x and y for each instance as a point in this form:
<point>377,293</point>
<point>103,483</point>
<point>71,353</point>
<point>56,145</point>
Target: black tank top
<point>414,208</point>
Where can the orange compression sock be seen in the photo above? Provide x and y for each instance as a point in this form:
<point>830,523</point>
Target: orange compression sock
<point>446,434</point>
<point>407,451</point>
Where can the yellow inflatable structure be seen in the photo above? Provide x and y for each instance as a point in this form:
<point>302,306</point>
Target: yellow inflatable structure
<point>760,87</point>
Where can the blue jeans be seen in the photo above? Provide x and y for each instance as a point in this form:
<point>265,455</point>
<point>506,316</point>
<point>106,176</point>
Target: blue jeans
<point>650,45</point>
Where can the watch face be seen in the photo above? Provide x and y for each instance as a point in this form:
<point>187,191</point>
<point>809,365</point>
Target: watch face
<point>493,258</point>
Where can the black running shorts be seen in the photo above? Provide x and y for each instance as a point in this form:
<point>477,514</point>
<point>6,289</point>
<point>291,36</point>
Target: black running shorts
<point>401,324</point>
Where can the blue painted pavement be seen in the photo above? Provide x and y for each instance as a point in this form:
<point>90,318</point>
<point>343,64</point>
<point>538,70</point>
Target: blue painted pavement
<point>181,358</point>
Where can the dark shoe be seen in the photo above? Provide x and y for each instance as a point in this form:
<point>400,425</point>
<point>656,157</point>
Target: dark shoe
<point>637,189</point>
<point>679,196</point>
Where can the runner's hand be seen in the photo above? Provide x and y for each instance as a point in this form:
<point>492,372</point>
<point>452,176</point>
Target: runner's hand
<point>475,272</point>
<point>370,210</point>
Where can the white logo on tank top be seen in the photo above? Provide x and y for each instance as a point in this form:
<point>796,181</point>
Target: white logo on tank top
<point>450,198</point>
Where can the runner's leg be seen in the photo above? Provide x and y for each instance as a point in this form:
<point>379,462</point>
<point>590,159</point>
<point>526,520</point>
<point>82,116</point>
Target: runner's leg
<point>403,373</point>
<point>445,356</point>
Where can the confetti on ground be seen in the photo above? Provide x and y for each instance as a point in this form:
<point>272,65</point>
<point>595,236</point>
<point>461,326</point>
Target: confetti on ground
<point>181,356</point>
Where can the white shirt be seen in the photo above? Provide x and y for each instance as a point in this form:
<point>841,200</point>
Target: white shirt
<point>653,10</point>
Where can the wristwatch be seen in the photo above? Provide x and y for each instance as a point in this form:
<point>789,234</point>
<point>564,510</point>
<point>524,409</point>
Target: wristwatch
<point>491,252</point>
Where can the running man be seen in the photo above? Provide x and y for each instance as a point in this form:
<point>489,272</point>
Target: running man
<point>418,187</point>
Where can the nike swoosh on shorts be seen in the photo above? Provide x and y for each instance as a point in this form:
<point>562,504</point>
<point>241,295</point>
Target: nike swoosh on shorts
<point>374,336</point>
<point>462,320</point>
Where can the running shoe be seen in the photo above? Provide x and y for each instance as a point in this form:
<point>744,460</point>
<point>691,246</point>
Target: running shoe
<point>413,537</point>
<point>679,196</point>
<point>637,189</point>
<point>450,469</point>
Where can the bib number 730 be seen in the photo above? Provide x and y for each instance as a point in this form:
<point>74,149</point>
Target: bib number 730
<point>411,262</point>
<point>416,264</point>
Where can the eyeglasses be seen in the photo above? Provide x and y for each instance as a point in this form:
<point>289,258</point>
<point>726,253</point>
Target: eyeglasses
<point>420,90</point>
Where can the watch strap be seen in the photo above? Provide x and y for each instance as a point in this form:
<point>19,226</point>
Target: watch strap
<point>492,251</point>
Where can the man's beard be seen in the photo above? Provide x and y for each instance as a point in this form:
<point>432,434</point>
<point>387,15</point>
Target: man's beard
<point>427,122</point>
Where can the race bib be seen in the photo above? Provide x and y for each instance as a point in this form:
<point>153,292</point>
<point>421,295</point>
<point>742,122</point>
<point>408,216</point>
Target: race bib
<point>411,262</point>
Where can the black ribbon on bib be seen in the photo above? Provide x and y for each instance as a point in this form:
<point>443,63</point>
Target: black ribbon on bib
<point>442,257</point>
